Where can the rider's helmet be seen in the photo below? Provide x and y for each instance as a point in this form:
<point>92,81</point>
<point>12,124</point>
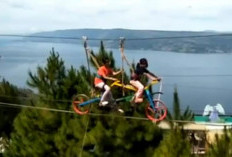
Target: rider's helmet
<point>143,61</point>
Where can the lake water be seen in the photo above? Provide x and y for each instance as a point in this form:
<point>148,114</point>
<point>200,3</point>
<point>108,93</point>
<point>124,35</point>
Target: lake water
<point>200,78</point>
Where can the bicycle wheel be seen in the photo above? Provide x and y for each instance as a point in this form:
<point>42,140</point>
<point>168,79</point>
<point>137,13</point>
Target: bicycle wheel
<point>158,113</point>
<point>79,99</point>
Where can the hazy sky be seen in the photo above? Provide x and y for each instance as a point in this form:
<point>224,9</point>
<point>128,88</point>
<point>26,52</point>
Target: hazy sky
<point>27,16</point>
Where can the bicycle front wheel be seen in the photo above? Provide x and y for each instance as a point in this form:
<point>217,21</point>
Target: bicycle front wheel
<point>158,113</point>
<point>79,109</point>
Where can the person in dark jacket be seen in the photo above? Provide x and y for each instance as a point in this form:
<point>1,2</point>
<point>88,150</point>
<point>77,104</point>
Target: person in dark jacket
<point>141,69</point>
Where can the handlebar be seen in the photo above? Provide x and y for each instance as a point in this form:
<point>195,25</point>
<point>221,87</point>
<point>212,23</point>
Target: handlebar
<point>153,82</point>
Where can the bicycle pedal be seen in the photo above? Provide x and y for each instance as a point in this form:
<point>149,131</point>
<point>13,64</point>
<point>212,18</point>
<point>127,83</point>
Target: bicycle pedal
<point>120,110</point>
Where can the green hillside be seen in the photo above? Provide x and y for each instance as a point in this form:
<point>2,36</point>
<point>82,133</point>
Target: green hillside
<point>177,41</point>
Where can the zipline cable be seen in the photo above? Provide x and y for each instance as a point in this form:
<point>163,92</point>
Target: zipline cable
<point>35,107</point>
<point>113,39</point>
<point>26,106</point>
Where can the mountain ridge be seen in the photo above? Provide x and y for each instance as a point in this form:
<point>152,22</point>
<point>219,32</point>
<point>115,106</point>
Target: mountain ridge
<point>158,40</point>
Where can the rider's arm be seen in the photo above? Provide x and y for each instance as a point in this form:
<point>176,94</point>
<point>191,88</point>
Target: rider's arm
<point>151,75</point>
<point>117,72</point>
<point>109,78</point>
<point>106,73</point>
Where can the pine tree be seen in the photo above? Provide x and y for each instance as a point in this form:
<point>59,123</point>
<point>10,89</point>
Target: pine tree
<point>49,80</point>
<point>222,146</point>
<point>36,131</point>
<point>177,115</point>
<point>8,94</point>
<point>174,144</point>
<point>114,136</point>
<point>103,53</point>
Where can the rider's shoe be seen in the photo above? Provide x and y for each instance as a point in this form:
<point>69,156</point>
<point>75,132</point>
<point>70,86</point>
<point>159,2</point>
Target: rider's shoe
<point>120,110</point>
<point>103,103</point>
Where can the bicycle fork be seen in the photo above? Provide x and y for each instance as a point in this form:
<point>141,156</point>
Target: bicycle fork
<point>150,97</point>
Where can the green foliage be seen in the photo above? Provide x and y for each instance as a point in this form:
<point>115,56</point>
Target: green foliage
<point>76,82</point>
<point>177,115</point>
<point>114,136</point>
<point>35,130</point>
<point>103,53</point>
<point>174,144</point>
<point>222,145</point>
<point>54,82</point>
<point>8,94</point>
<point>34,134</point>
<point>49,80</point>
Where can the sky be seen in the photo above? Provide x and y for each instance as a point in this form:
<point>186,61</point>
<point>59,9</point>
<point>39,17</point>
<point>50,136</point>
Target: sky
<point>30,16</point>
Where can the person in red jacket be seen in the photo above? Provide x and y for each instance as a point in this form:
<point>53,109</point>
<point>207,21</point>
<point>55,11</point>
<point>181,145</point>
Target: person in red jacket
<point>104,73</point>
<point>141,69</point>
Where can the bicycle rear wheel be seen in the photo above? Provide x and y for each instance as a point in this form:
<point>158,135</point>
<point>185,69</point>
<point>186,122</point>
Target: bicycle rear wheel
<point>79,99</point>
<point>158,113</point>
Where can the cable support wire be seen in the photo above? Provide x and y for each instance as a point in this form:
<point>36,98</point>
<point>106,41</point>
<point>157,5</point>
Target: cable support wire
<point>199,87</point>
<point>199,75</point>
<point>113,39</point>
<point>90,114</point>
<point>69,101</point>
<point>28,98</point>
<point>37,36</point>
<point>34,107</point>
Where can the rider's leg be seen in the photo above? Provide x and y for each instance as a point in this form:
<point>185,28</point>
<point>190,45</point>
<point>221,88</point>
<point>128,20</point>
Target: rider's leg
<point>139,93</point>
<point>106,94</point>
<point>109,95</point>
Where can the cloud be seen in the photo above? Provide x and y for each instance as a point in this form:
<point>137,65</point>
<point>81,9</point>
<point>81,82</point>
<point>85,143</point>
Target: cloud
<point>26,16</point>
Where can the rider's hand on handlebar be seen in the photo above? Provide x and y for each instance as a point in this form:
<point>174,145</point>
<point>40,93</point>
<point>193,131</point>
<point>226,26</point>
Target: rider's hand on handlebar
<point>157,79</point>
<point>114,79</point>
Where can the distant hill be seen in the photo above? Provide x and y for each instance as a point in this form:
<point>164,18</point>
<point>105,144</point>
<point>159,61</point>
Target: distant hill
<point>164,40</point>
